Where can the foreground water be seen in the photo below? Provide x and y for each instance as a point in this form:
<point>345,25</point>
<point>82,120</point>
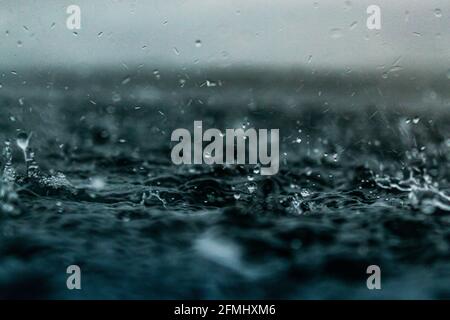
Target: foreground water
<point>357,186</point>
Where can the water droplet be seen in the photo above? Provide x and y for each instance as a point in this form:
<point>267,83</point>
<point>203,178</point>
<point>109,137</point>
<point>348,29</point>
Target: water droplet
<point>198,43</point>
<point>416,120</point>
<point>237,196</point>
<point>126,80</point>
<point>305,193</point>
<point>336,33</point>
<point>19,43</point>
<point>251,187</point>
<point>438,13</point>
<point>22,141</point>
<point>176,51</point>
<point>97,183</point>
<point>100,34</point>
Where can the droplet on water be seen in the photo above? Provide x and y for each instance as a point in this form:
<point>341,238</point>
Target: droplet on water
<point>336,33</point>
<point>22,141</point>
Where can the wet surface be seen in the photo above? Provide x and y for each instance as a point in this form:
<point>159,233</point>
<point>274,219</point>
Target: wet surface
<point>357,186</point>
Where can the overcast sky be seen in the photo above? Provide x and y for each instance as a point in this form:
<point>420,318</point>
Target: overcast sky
<point>327,33</point>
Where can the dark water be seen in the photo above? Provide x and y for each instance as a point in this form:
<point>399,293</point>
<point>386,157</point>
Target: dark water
<point>360,183</point>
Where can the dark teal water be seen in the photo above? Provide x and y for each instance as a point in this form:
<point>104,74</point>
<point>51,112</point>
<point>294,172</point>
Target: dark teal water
<point>359,184</point>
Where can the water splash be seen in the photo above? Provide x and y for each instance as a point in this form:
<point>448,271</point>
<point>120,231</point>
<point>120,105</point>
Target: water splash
<point>423,194</point>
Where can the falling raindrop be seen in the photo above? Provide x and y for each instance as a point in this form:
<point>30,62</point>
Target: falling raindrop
<point>336,33</point>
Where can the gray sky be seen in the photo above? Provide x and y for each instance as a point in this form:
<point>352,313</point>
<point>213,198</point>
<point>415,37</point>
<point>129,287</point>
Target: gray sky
<point>326,33</point>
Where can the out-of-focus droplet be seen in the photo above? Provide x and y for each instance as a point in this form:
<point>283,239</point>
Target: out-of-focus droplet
<point>126,80</point>
<point>336,33</point>
<point>347,5</point>
<point>237,196</point>
<point>97,183</point>
<point>176,51</point>
<point>198,43</point>
<point>22,141</point>
<point>19,44</point>
<point>416,120</point>
<point>438,13</point>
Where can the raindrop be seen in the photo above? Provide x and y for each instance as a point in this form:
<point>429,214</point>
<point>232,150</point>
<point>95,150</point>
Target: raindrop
<point>23,140</point>
<point>100,34</point>
<point>126,80</point>
<point>19,43</point>
<point>251,188</point>
<point>438,13</point>
<point>176,51</point>
<point>97,183</point>
<point>237,196</point>
<point>347,5</point>
<point>336,33</point>
<point>198,43</point>
<point>416,120</point>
